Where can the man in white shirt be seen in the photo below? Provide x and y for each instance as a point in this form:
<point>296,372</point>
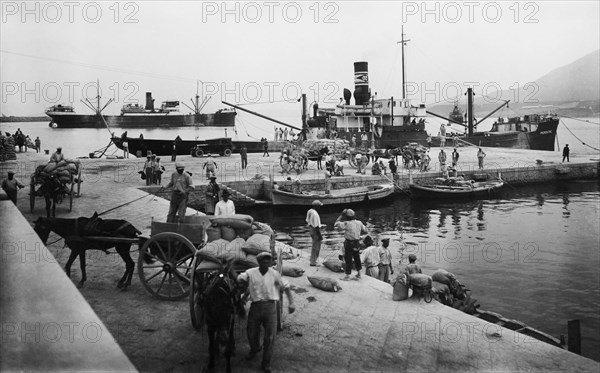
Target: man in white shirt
<point>372,258</point>
<point>225,206</point>
<point>264,285</point>
<point>314,226</point>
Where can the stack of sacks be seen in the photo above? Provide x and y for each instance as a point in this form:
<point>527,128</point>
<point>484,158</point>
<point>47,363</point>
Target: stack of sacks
<point>61,170</point>
<point>230,236</point>
<point>333,145</point>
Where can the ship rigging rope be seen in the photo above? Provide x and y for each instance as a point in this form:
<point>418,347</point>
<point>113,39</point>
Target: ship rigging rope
<point>575,136</point>
<point>581,120</point>
<point>269,102</point>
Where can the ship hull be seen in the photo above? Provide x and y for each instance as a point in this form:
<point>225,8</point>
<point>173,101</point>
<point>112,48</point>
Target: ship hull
<point>73,120</point>
<point>543,138</point>
<point>161,147</point>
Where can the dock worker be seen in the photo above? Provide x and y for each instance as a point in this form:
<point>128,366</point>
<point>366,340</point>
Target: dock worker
<point>480,156</point>
<point>182,184</point>
<point>352,228</point>
<point>210,165</point>
<point>455,157</point>
<point>11,186</point>
<point>212,195</point>
<point>38,144</point>
<point>264,286</point>
<point>372,256</point>
<point>385,261</point>
<point>442,158</point>
<point>225,206</point>
<point>57,156</point>
<point>314,226</point>
<point>244,155</point>
<point>566,152</point>
<point>412,266</point>
<point>149,170</point>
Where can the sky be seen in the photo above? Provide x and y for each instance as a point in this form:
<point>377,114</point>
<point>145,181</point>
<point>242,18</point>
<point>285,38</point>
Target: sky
<point>265,54</point>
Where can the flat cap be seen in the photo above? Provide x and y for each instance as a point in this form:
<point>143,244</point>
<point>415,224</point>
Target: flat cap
<point>316,202</point>
<point>349,213</point>
<point>264,254</point>
<point>179,165</point>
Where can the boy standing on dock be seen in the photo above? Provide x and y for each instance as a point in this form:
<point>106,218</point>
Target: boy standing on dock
<point>314,226</point>
<point>385,261</point>
<point>372,256</point>
<point>210,165</point>
<point>38,144</point>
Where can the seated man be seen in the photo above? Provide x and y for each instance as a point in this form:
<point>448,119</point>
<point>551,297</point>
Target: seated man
<point>375,170</point>
<point>339,169</point>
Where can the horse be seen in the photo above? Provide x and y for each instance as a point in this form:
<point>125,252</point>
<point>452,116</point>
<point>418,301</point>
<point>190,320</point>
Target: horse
<point>220,302</point>
<point>53,192</point>
<point>74,231</point>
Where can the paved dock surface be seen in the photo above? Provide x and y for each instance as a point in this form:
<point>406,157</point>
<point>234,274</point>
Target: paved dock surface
<point>357,329</point>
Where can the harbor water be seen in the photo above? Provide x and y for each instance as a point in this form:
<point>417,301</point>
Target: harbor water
<point>531,255</point>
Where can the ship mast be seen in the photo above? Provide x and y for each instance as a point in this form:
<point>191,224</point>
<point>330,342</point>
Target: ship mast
<point>403,42</point>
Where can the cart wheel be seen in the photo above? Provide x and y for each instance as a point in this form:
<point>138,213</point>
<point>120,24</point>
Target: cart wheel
<point>79,182</point>
<point>196,310</point>
<point>71,197</point>
<point>168,276</point>
<point>227,152</point>
<point>32,194</point>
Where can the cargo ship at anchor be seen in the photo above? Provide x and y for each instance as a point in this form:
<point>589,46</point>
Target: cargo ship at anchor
<point>138,116</point>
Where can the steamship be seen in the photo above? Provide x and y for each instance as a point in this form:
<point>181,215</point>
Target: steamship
<point>392,123</point>
<point>138,116</point>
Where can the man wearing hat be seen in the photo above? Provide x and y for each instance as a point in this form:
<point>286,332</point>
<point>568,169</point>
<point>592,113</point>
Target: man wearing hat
<point>212,195</point>
<point>149,169</point>
<point>314,226</point>
<point>182,185</point>
<point>264,285</point>
<point>11,186</point>
<point>352,228</point>
<point>385,261</point>
<point>57,156</point>
<point>225,206</point>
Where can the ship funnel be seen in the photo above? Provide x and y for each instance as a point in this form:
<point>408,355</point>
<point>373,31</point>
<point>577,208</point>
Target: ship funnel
<point>361,83</point>
<point>315,109</point>
<point>347,96</point>
<point>149,101</point>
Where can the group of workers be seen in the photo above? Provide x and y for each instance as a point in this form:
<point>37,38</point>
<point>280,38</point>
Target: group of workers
<point>377,260</point>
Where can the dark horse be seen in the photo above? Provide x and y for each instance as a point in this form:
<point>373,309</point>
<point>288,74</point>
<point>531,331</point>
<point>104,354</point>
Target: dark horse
<point>220,302</point>
<point>74,231</point>
<point>53,192</point>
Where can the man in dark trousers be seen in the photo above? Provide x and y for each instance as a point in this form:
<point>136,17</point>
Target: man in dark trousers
<point>566,152</point>
<point>244,155</point>
<point>182,184</point>
<point>352,228</point>
<point>265,147</point>
<point>264,284</point>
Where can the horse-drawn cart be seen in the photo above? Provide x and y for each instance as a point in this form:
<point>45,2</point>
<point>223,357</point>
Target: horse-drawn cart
<point>54,183</point>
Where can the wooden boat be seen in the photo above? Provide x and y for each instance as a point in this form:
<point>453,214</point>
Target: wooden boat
<point>334,197</point>
<point>474,190</point>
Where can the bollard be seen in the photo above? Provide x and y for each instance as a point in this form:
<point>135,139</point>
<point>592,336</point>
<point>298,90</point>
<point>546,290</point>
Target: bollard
<point>574,336</point>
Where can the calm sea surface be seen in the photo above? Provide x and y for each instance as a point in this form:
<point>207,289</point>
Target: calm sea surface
<point>532,255</point>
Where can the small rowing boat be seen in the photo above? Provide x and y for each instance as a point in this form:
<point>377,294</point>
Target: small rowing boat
<point>334,197</point>
<point>473,190</point>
